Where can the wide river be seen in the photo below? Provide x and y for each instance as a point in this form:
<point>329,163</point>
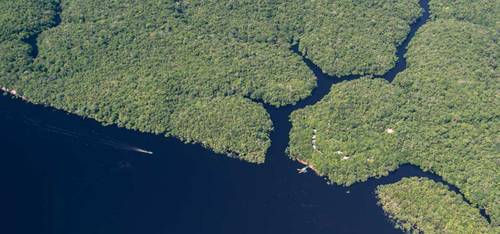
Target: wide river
<point>61,174</point>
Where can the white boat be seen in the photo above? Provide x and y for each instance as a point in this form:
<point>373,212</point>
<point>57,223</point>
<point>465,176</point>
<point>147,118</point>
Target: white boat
<point>302,170</point>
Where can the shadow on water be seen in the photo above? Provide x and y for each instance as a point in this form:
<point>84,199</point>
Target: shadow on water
<point>64,174</point>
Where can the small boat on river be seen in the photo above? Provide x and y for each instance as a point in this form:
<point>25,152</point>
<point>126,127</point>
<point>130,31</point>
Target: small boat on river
<point>302,170</point>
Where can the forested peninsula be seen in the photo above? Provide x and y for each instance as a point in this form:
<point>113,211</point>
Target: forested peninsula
<point>203,71</point>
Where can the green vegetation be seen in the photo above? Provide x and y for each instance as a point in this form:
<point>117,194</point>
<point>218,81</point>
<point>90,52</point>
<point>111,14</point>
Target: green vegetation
<point>357,37</point>
<point>198,122</point>
<point>19,20</point>
<point>482,12</point>
<point>420,205</point>
<point>441,114</point>
<point>452,108</point>
<point>190,68</point>
<point>350,123</point>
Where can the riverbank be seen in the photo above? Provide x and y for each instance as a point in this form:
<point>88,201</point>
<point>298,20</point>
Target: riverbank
<point>13,93</point>
<point>309,166</point>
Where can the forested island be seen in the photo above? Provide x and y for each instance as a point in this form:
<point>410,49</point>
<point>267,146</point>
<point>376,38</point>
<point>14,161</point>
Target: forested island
<point>202,71</point>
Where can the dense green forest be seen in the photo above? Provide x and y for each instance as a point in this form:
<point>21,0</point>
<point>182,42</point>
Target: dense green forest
<point>441,114</point>
<point>156,65</point>
<point>356,37</point>
<point>215,129</point>
<point>452,108</point>
<point>195,69</point>
<point>19,20</point>
<point>482,12</point>
<point>22,18</point>
<point>420,205</point>
<point>349,127</point>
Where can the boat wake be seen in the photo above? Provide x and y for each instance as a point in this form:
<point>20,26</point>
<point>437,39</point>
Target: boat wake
<point>95,139</point>
<point>139,150</point>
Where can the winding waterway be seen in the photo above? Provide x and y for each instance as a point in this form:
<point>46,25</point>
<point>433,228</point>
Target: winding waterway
<point>63,174</point>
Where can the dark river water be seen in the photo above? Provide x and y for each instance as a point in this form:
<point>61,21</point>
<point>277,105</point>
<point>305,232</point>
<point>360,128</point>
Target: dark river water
<point>61,174</point>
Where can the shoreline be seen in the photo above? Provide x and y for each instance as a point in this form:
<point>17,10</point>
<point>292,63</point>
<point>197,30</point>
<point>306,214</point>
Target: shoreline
<point>309,166</point>
<point>13,93</point>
